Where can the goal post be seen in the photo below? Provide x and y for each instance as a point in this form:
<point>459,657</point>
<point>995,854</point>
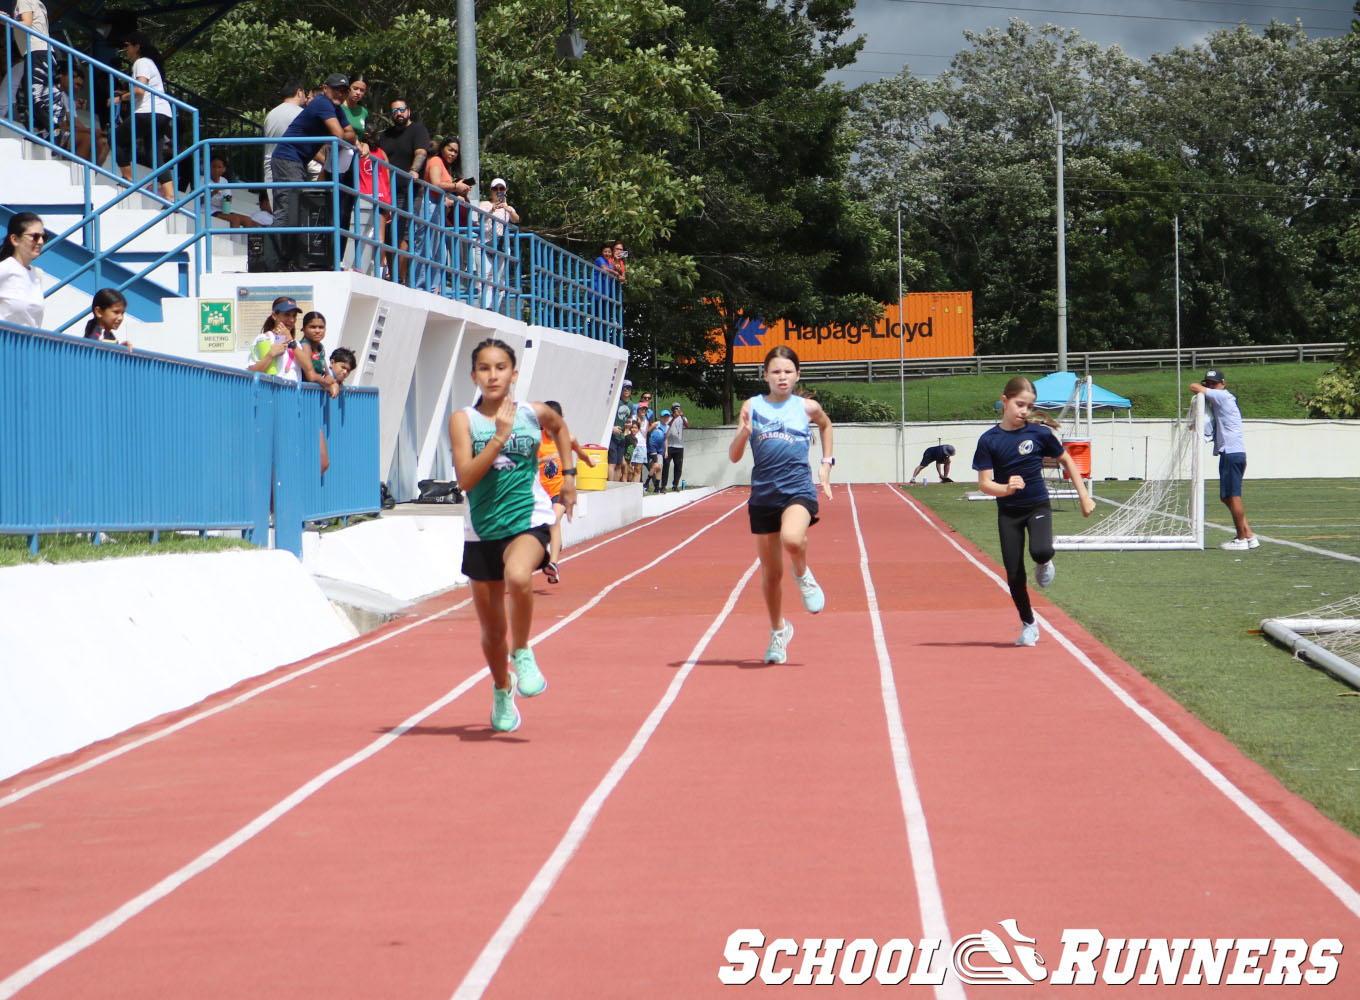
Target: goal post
<point>1167,511</point>
<point>1327,637</point>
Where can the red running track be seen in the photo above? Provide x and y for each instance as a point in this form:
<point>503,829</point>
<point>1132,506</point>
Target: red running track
<point>350,826</point>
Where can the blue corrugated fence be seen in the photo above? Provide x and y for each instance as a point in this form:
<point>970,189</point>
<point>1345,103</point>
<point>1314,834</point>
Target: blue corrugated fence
<point>99,438</point>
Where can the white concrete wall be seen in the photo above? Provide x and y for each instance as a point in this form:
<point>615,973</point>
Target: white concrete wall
<point>91,649</point>
<point>873,453</point>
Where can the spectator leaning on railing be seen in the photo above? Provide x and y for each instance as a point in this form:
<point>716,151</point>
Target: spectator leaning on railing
<point>300,143</point>
<point>32,14</point>
<point>279,118</point>
<point>21,286</point>
<point>272,351</point>
<point>406,143</point>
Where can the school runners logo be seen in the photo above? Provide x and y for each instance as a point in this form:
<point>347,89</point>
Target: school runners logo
<point>1012,958</point>
<point>1002,967</point>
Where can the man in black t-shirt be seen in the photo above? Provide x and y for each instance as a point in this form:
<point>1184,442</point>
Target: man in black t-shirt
<point>406,144</point>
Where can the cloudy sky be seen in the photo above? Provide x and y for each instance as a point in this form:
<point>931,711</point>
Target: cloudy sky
<point>927,33</point>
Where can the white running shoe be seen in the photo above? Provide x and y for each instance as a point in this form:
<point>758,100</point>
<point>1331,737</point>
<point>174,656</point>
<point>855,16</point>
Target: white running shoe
<point>779,643</point>
<point>1237,544</point>
<point>1029,635</point>
<point>1253,542</point>
<point>1044,573</point>
<point>813,598</point>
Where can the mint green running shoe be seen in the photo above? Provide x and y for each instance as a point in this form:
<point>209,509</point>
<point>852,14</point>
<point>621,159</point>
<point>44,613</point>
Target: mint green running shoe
<point>813,598</point>
<point>531,679</point>
<point>504,714</point>
<point>779,643</point>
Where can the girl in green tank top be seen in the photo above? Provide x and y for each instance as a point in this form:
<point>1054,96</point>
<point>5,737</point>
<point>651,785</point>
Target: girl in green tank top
<point>495,453</point>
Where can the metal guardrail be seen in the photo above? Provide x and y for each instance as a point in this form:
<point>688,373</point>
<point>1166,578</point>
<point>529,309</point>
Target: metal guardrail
<point>106,439</point>
<point>50,84</point>
<point>1084,361</point>
<point>466,255</point>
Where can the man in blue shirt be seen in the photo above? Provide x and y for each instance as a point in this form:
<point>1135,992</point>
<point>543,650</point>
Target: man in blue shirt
<point>1230,447</point>
<point>319,119</point>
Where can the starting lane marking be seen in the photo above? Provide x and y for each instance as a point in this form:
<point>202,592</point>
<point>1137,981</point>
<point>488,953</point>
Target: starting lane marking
<point>1272,828</point>
<point>928,893</point>
<point>479,977</point>
<point>241,699</point>
<point>107,924</point>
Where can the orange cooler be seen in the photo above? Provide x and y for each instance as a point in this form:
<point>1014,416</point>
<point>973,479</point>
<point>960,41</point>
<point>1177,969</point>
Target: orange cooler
<point>1081,455</point>
<point>588,478</point>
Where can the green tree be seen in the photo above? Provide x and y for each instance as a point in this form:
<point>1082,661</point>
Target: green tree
<point>582,143</point>
<point>777,233</point>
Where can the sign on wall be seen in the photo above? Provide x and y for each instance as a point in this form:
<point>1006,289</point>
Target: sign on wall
<point>215,329</point>
<point>254,304</point>
<point>926,325</point>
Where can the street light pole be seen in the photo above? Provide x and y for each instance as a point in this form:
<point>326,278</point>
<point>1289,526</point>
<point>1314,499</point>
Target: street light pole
<point>1062,248</point>
<point>901,359</point>
<point>469,141</point>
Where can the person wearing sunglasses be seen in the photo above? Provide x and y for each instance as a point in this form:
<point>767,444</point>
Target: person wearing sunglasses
<point>406,143</point>
<point>21,284</point>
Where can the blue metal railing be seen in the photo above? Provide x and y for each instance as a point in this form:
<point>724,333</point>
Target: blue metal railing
<point>456,251</point>
<point>105,439</point>
<point>53,81</point>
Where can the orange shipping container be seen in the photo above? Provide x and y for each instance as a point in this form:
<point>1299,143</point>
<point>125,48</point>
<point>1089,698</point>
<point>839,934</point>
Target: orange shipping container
<point>928,325</point>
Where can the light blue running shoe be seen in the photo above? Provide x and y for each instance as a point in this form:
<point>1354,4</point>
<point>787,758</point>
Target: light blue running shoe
<point>1029,634</point>
<point>1044,573</point>
<point>504,714</point>
<point>813,598</point>
<point>531,679</point>
<point>779,643</point>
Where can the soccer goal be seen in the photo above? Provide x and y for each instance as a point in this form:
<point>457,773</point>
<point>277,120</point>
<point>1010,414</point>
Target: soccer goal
<point>1167,511</point>
<point>1328,637</point>
<point>1074,422</point>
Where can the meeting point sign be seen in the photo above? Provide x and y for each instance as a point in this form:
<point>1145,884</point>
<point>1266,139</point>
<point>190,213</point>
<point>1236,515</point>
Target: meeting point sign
<point>924,325</point>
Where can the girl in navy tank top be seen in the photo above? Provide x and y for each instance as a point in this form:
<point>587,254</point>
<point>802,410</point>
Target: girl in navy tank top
<point>783,503</point>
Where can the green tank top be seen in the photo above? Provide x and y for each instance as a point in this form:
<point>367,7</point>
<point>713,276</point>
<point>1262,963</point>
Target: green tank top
<point>509,499</point>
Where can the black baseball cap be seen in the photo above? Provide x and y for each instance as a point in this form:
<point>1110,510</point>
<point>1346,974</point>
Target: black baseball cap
<point>1213,375</point>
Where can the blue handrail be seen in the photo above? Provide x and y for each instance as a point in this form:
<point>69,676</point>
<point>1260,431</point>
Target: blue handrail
<point>458,251</point>
<point>46,67</point>
<point>106,439</point>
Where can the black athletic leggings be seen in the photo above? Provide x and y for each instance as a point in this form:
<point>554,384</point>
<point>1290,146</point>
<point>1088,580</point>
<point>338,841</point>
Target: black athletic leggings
<point>1012,525</point>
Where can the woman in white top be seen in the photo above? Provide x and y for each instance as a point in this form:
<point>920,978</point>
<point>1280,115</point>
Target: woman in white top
<point>153,114</point>
<point>21,289</point>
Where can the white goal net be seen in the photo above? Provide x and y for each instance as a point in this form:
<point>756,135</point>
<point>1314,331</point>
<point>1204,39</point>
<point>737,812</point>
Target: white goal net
<point>1167,511</point>
<point>1328,637</point>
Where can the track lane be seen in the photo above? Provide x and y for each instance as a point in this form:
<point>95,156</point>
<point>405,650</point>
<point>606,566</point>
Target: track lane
<point>293,883</point>
<point>1055,803</point>
<point>767,799</point>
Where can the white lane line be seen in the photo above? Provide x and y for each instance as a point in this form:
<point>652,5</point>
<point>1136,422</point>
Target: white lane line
<point>241,699</point>
<point>479,977</point>
<point>1273,829</point>
<point>648,523</point>
<point>929,896</point>
<point>106,925</point>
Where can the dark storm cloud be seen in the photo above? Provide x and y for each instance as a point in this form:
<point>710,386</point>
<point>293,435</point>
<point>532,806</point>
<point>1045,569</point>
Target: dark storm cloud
<point>930,34</point>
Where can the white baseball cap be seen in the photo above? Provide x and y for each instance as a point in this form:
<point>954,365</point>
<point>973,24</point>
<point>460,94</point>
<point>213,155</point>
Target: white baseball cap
<point>498,182</point>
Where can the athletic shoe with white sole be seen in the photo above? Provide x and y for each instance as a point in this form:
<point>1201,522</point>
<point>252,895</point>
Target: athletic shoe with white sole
<point>1029,635</point>
<point>504,714</point>
<point>1044,573</point>
<point>1253,542</point>
<point>813,598</point>
<point>531,679</point>
<point>778,651</point>
<point>1237,544</point>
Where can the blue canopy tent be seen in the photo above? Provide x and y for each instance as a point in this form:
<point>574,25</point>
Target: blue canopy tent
<point>1053,392</point>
